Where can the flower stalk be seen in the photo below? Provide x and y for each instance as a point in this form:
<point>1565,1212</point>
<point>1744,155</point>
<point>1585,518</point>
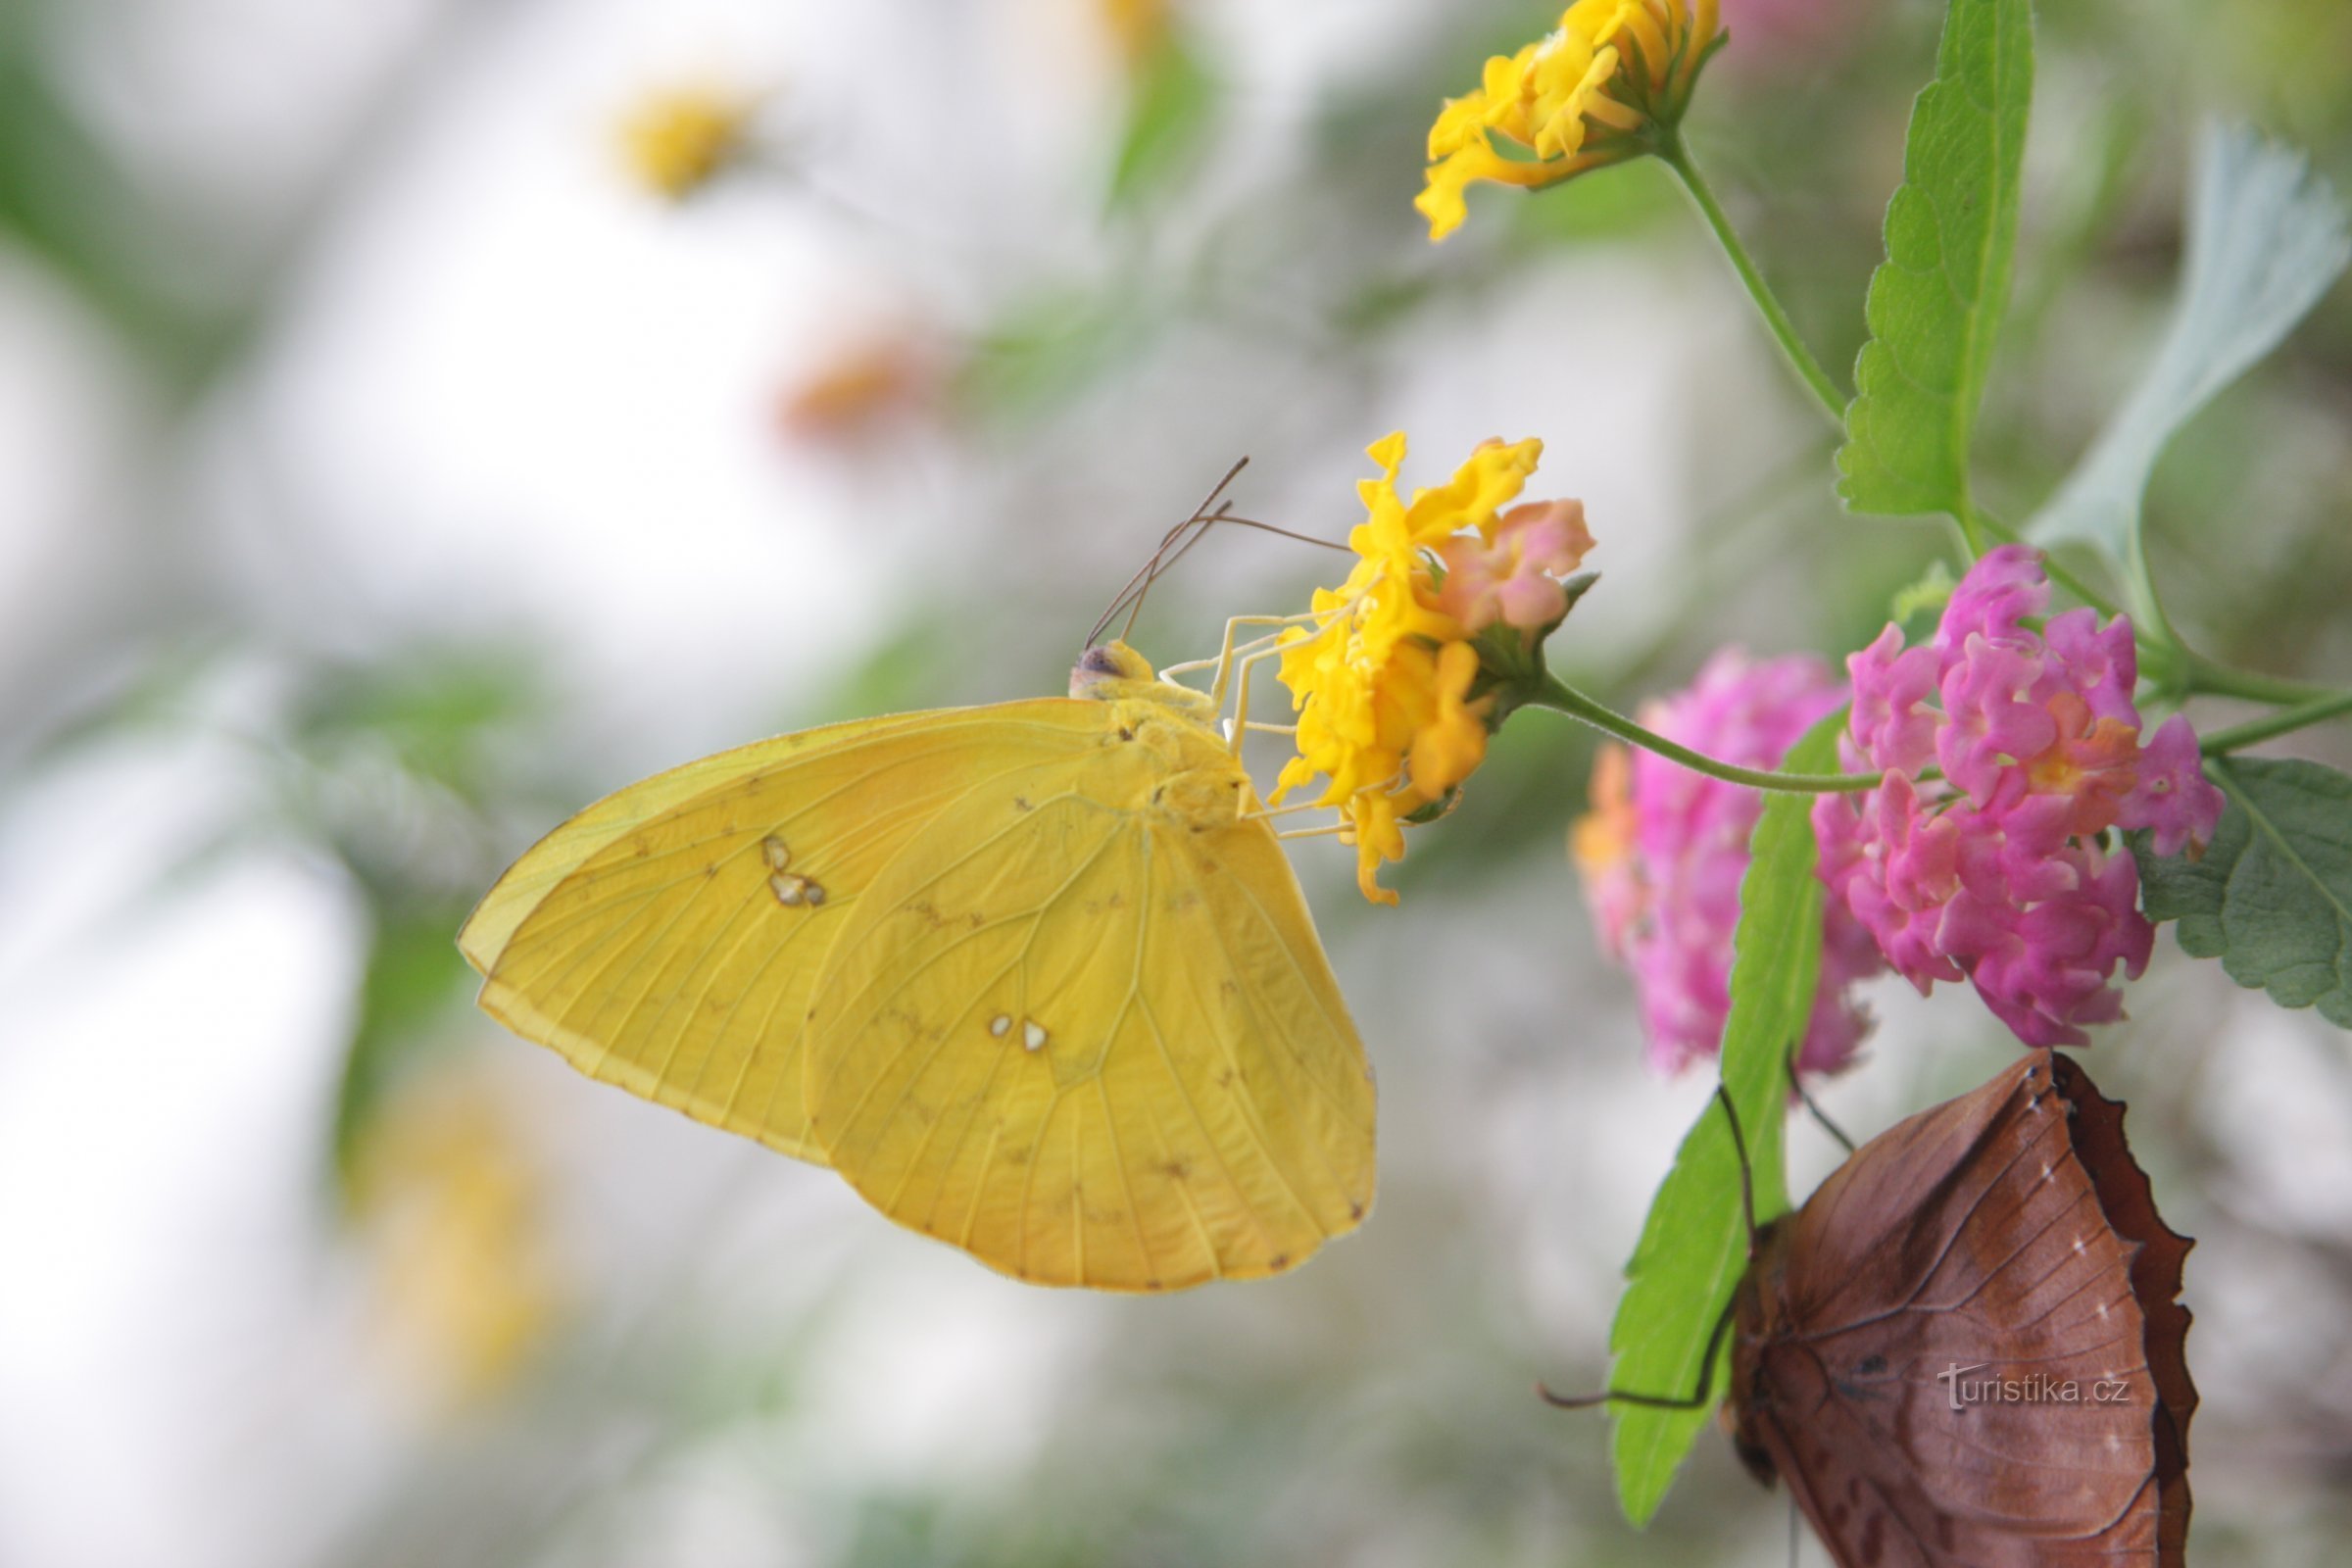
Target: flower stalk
<point>1668,144</point>
<point>1561,698</point>
<point>2272,725</point>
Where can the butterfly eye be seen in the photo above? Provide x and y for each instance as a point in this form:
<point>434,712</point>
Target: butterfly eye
<point>1871,1366</point>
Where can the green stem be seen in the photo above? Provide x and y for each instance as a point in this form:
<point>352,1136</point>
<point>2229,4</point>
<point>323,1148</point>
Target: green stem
<point>2221,680</point>
<point>1971,529</point>
<point>2286,722</point>
<point>1817,380</point>
<point>2163,658</point>
<point>1563,698</point>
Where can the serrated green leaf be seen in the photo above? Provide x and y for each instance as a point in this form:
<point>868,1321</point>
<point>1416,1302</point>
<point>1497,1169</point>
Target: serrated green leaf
<point>1934,304</point>
<point>2266,238</point>
<point>1694,1246</point>
<point>2272,896</point>
<point>1173,108</point>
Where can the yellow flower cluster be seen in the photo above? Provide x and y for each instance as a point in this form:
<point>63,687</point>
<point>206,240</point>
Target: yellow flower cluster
<point>1136,28</point>
<point>1578,99</point>
<point>675,140</point>
<point>1382,682</point>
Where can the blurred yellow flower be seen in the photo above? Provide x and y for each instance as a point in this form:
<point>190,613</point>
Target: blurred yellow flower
<point>1136,27</point>
<point>1591,93</point>
<point>450,1204</point>
<point>676,139</point>
<point>1382,682</point>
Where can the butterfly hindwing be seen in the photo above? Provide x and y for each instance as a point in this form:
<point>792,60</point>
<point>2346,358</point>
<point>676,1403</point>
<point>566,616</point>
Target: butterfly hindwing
<point>667,937</point>
<point>1081,1028</point>
<point>1969,1362</point>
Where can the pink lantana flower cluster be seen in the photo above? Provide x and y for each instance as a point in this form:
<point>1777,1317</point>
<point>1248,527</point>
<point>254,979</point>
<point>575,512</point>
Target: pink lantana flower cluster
<point>2003,871</point>
<point>1665,847</point>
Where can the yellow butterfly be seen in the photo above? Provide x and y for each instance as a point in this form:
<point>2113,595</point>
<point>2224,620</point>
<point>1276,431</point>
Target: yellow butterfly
<point>1036,978</point>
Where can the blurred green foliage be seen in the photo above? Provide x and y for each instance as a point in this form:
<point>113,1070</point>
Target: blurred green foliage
<point>1173,110</point>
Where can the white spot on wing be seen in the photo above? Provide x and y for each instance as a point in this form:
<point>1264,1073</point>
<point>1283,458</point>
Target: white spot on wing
<point>778,856</point>
<point>793,892</point>
<point>1033,1034</point>
<point>1001,1025</point>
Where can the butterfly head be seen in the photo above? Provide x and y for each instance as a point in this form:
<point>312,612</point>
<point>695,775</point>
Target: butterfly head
<point>1113,672</point>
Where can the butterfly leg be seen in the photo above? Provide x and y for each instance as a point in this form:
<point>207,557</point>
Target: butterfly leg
<point>1243,669</point>
<point>1226,649</point>
<point>1656,1402</point>
<point>1820,1115</point>
<point>1341,826</point>
<point>1747,1185</point>
<point>1723,1319</point>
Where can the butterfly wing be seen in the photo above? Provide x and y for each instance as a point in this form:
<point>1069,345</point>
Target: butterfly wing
<point>1082,1028</point>
<point>646,942</point>
<point>2004,1237</point>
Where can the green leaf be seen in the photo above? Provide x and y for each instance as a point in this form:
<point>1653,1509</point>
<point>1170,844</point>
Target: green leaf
<point>2266,237</point>
<point>2272,896</point>
<point>1936,303</point>
<point>434,710</point>
<point>1045,351</point>
<point>1173,110</point>
<point>1694,1246</point>
<point>415,974</point>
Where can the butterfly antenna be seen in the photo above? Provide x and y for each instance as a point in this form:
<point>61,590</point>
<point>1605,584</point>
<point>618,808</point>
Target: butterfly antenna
<point>1131,595</point>
<point>1178,542</point>
<point>1164,558</point>
<point>1654,1401</point>
<point>1748,1184</point>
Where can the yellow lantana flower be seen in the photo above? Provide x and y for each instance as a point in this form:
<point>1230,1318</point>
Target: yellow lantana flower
<point>1382,683</point>
<point>1591,93</point>
<point>1136,28</point>
<point>450,1200</point>
<point>675,140</point>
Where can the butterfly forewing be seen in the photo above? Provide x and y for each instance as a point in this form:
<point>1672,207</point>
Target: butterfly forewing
<point>1082,1029</point>
<point>1963,1352</point>
<point>669,938</point>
